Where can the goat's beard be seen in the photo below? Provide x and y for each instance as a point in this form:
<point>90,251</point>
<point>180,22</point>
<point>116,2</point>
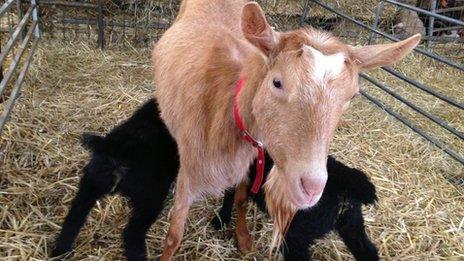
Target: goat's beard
<point>279,207</point>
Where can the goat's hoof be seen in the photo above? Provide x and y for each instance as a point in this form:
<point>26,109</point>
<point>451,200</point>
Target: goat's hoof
<point>56,252</point>
<point>244,243</point>
<point>136,256</point>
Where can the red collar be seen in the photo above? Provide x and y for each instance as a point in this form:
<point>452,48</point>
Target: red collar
<point>247,136</point>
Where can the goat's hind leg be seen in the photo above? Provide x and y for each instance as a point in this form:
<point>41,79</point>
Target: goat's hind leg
<point>182,202</point>
<point>351,229</point>
<point>142,217</point>
<point>91,188</point>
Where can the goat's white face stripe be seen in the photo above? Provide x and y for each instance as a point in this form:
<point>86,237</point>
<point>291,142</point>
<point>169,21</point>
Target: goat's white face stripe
<point>326,65</point>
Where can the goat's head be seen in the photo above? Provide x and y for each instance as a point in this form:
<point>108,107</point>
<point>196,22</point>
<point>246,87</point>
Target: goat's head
<point>310,81</point>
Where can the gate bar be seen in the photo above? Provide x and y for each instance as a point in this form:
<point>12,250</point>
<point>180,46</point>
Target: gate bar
<point>421,86</point>
<point>413,127</point>
<point>424,113</point>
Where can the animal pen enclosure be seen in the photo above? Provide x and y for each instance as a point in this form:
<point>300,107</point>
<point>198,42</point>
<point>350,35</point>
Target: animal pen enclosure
<point>412,147</point>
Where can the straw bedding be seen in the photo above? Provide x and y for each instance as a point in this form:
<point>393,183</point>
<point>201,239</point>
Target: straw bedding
<point>74,88</point>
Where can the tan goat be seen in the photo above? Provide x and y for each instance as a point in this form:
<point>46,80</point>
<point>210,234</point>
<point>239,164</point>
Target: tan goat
<point>297,84</point>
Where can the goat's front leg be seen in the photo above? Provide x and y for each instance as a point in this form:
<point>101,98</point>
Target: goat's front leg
<point>244,240</point>
<point>182,202</point>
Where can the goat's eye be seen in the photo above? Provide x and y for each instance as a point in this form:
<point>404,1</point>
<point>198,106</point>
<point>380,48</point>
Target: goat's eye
<point>277,83</point>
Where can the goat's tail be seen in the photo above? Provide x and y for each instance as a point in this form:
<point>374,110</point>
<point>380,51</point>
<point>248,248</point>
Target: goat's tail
<point>93,142</point>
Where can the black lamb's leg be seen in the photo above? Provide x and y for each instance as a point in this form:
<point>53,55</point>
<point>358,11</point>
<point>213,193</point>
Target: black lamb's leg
<point>295,250</point>
<point>299,237</point>
<point>226,210</point>
<point>90,190</point>
<point>296,253</point>
<point>351,229</point>
<point>142,217</point>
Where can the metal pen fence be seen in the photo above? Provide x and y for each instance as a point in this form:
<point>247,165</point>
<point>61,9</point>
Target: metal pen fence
<point>17,52</point>
<point>133,22</point>
<point>137,23</point>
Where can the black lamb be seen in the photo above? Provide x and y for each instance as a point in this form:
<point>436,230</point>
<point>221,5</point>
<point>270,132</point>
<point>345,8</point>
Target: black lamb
<point>338,209</point>
<point>137,159</point>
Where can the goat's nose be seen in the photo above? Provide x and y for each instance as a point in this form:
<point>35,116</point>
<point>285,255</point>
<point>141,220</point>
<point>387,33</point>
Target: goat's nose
<point>313,185</point>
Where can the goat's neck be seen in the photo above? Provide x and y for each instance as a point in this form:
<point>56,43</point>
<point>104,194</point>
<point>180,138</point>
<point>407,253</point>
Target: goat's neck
<point>254,72</point>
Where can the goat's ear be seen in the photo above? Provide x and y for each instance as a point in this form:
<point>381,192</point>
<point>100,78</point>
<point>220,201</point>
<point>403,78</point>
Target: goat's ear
<point>256,29</point>
<point>373,56</point>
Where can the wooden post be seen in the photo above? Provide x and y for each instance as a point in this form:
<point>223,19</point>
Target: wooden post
<point>101,25</point>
